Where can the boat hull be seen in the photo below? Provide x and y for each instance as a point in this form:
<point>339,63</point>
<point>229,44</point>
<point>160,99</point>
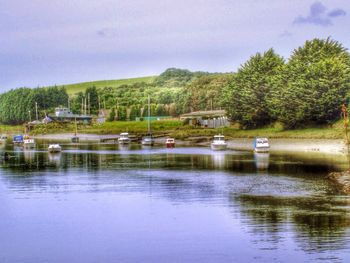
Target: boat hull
<point>75,139</point>
<point>218,147</point>
<point>55,150</point>
<point>147,142</point>
<point>124,141</point>
<point>29,143</point>
<point>261,149</point>
<point>170,145</point>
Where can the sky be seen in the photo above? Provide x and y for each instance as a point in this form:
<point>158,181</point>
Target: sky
<point>68,41</point>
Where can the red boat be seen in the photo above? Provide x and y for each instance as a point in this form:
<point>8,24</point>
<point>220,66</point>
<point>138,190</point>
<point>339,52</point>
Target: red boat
<point>170,143</point>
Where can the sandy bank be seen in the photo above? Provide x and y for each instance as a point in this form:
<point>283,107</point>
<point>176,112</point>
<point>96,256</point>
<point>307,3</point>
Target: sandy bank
<point>335,146</point>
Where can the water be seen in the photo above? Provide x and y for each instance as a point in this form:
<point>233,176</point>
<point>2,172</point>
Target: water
<point>102,203</point>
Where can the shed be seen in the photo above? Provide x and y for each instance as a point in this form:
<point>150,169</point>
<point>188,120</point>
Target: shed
<point>207,119</point>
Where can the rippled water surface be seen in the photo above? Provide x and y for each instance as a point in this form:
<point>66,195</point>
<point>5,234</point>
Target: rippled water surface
<point>104,203</point>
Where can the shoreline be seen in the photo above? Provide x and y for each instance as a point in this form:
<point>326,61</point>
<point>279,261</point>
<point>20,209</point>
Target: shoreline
<point>329,146</point>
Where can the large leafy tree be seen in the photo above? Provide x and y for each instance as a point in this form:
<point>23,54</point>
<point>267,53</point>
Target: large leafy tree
<point>205,92</point>
<point>313,84</point>
<point>246,98</point>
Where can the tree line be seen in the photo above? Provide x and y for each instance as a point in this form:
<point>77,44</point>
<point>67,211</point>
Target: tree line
<point>19,105</point>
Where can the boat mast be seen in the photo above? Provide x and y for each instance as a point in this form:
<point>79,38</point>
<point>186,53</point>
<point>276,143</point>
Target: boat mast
<point>149,114</point>
<point>76,126</point>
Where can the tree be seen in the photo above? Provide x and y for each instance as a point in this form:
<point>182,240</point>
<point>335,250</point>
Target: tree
<point>92,95</point>
<point>111,116</point>
<point>313,85</point>
<point>246,97</point>
<point>15,105</point>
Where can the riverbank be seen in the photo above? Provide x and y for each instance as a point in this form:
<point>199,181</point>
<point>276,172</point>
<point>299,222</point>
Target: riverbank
<point>327,139</point>
<point>177,129</point>
<point>329,146</point>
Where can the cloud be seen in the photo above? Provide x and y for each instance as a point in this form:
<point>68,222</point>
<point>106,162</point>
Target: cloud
<point>318,15</point>
<point>337,12</point>
<point>107,33</point>
<point>285,33</point>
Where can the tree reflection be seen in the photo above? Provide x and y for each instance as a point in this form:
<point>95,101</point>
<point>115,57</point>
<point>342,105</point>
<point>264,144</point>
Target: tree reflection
<point>319,223</point>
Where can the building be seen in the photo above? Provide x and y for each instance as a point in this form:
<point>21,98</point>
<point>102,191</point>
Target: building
<point>207,119</point>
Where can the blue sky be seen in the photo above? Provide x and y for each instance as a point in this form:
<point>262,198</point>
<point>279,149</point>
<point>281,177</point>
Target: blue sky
<point>67,41</point>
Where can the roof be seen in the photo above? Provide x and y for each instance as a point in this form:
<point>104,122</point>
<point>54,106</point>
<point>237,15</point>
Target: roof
<point>212,113</point>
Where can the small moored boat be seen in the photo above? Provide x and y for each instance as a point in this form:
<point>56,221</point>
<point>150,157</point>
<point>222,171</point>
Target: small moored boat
<point>18,139</point>
<point>170,143</point>
<point>3,139</point>
<point>219,143</point>
<point>261,145</point>
<point>28,142</point>
<point>54,148</point>
<point>124,138</point>
<point>148,140</point>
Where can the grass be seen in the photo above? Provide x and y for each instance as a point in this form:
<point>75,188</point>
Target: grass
<point>11,129</point>
<point>78,87</point>
<point>175,128</point>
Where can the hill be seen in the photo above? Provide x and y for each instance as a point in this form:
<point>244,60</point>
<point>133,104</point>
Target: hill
<point>78,87</point>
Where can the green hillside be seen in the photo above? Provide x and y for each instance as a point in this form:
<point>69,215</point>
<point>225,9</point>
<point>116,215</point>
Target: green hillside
<point>75,88</point>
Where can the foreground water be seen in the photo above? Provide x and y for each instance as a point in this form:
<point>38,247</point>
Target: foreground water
<point>102,203</point>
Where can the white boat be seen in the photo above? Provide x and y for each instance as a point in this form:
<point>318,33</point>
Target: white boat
<point>28,142</point>
<point>124,138</point>
<point>148,140</point>
<point>54,148</point>
<point>219,143</point>
<point>3,139</point>
<point>261,145</point>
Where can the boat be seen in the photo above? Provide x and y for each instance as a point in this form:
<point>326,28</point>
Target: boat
<point>3,139</point>
<point>148,140</point>
<point>124,138</point>
<point>28,142</point>
<point>17,139</point>
<point>54,148</point>
<point>170,143</point>
<point>261,145</point>
<point>219,142</point>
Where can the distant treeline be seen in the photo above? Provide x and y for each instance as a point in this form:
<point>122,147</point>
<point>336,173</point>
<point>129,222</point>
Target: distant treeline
<point>307,89</point>
<point>18,105</point>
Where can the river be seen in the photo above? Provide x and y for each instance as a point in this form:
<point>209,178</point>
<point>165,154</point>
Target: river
<point>105,203</point>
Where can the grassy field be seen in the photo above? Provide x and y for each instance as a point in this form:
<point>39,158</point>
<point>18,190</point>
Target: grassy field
<point>75,88</point>
<point>175,128</point>
<point>11,129</point>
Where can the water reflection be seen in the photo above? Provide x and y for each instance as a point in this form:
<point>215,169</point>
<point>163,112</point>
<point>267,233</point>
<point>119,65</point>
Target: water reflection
<point>319,223</point>
<point>273,203</point>
<point>219,160</point>
<point>262,160</point>
<point>29,155</point>
<point>55,158</point>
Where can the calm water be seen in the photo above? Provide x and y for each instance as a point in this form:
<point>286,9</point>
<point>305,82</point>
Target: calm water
<point>100,203</point>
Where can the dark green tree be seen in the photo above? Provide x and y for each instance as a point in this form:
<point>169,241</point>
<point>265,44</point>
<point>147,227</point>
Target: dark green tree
<point>92,95</point>
<point>246,97</point>
<point>111,116</point>
<point>313,84</point>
